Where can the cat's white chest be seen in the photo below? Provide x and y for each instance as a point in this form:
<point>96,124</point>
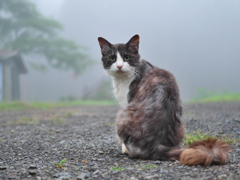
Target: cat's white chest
<point>121,89</point>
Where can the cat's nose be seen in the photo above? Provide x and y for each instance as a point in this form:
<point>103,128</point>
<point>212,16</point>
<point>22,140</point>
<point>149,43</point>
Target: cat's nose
<point>119,67</point>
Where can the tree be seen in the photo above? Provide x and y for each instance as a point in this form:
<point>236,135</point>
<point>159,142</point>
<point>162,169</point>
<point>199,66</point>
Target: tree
<point>23,28</point>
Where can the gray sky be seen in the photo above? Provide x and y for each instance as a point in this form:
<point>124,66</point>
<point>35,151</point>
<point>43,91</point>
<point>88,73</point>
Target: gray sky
<point>198,41</point>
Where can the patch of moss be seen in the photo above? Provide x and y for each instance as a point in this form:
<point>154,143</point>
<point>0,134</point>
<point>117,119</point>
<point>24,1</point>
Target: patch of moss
<point>193,137</point>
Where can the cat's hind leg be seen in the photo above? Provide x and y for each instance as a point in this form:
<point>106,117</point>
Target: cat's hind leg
<point>124,149</point>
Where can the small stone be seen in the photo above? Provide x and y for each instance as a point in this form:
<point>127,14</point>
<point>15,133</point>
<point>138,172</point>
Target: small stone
<point>163,171</point>
<point>152,177</point>
<point>32,166</point>
<point>222,176</point>
<point>186,178</point>
<point>55,175</point>
<point>130,169</point>
<point>101,152</point>
<point>153,171</point>
<point>101,160</point>
<point>3,167</point>
<point>11,177</point>
<point>95,172</point>
<point>82,176</point>
<point>115,172</point>
<point>32,172</point>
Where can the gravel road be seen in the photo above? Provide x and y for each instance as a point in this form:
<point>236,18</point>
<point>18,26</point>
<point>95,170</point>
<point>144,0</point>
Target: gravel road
<point>31,142</point>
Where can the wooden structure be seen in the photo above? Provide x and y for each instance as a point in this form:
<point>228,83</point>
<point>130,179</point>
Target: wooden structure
<point>11,66</point>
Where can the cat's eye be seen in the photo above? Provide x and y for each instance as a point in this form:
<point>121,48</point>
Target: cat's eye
<point>112,58</point>
<point>126,58</point>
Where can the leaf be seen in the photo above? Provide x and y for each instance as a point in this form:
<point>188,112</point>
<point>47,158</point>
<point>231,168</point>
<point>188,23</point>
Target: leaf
<point>58,165</point>
<point>63,161</point>
<point>84,160</point>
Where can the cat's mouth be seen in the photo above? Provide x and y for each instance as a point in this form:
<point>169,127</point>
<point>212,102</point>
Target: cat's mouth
<point>120,71</point>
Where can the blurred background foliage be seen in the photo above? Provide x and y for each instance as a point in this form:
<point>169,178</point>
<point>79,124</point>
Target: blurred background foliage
<point>25,29</point>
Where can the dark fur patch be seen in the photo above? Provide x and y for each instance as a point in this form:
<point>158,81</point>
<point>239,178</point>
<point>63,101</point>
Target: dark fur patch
<point>140,70</point>
<point>150,126</point>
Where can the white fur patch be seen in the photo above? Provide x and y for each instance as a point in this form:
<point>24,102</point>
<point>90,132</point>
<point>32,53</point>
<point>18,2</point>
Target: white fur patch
<point>121,89</point>
<point>124,149</point>
<point>119,61</point>
<point>121,79</point>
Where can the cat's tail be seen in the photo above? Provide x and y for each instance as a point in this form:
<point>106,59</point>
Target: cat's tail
<point>206,152</point>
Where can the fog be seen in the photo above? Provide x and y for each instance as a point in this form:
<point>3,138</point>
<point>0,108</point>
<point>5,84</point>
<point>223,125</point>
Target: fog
<point>198,41</point>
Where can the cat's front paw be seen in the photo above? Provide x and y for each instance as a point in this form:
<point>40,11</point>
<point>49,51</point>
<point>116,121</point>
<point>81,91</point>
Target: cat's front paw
<point>124,149</point>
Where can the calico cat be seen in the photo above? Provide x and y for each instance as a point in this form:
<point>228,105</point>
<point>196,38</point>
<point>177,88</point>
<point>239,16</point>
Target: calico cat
<point>149,123</point>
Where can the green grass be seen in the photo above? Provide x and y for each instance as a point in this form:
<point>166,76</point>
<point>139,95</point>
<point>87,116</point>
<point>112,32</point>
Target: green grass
<point>230,140</point>
<point>117,168</point>
<point>220,98</point>
<point>148,166</point>
<point>204,95</point>
<point>193,137</point>
<point>190,138</point>
<point>61,163</point>
<point>45,105</point>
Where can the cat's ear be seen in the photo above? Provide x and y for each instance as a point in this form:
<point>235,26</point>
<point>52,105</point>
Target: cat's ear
<point>105,45</point>
<point>133,43</point>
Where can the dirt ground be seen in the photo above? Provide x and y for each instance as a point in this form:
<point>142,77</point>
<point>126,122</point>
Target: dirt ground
<point>33,141</point>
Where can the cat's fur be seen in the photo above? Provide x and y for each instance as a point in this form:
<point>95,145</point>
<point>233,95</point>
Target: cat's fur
<point>149,123</point>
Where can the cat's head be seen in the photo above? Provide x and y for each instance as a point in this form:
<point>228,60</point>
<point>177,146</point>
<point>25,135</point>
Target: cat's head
<point>120,59</point>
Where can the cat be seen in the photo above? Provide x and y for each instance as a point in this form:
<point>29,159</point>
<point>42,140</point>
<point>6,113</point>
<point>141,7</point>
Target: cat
<point>149,122</point>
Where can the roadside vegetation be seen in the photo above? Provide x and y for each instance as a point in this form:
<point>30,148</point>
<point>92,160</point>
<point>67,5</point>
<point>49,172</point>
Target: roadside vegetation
<point>47,105</point>
<point>204,95</point>
<point>193,137</point>
<point>117,168</point>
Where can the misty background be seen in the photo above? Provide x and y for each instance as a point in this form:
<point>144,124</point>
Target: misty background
<point>198,41</point>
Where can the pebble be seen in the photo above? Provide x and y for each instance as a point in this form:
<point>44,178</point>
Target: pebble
<point>97,171</point>
<point>32,172</point>
<point>222,176</point>
<point>152,177</point>
<point>133,178</point>
<point>82,176</point>
<point>101,160</point>
<point>3,167</point>
<point>32,166</point>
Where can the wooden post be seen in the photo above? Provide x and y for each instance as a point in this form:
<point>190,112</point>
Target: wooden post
<point>7,93</point>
